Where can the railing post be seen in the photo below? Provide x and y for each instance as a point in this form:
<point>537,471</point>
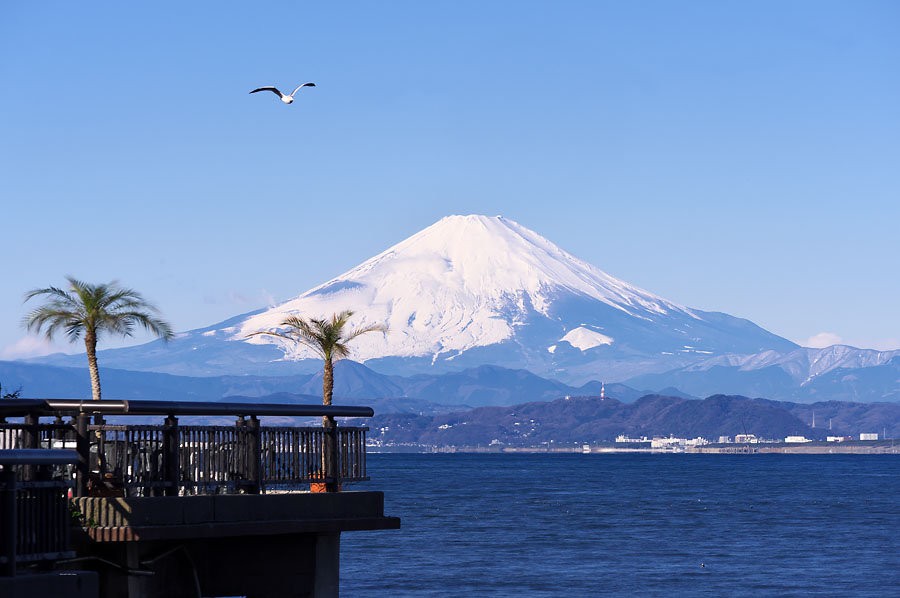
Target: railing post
<point>332,477</point>
<point>100,436</point>
<point>8,519</point>
<point>31,433</point>
<point>31,437</point>
<point>83,448</point>
<point>171,473</point>
<point>253,456</point>
<point>59,433</point>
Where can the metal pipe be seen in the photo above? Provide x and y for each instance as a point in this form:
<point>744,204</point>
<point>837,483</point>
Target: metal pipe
<point>37,457</point>
<point>174,408</point>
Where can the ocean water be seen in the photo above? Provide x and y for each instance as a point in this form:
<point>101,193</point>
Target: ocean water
<point>630,525</point>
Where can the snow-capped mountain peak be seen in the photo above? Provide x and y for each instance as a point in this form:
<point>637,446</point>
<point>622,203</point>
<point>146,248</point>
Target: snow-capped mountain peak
<point>463,282</point>
<point>470,291</point>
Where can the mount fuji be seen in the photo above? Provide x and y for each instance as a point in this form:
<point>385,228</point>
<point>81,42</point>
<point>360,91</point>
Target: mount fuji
<point>468,291</point>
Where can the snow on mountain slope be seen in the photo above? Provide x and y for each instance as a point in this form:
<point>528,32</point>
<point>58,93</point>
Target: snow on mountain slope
<point>464,282</point>
<point>584,339</point>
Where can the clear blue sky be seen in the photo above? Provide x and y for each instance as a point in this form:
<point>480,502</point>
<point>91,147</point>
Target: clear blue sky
<point>732,156</point>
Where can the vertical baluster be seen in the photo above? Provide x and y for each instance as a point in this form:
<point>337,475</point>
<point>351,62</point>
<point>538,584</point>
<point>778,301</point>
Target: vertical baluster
<point>171,460</point>
<point>279,453</point>
<point>253,455</point>
<point>195,462</point>
<point>203,447</point>
<point>131,473</point>
<point>195,459</point>
<point>215,447</point>
<point>227,453</point>
<point>269,448</point>
<point>83,448</point>
<point>217,456</point>
<point>218,447</point>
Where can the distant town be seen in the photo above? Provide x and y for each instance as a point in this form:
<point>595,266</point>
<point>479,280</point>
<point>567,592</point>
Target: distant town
<point>866,443</point>
<point>654,423</point>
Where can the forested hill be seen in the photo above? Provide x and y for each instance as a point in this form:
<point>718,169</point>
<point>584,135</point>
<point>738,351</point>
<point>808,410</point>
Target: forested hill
<point>592,419</point>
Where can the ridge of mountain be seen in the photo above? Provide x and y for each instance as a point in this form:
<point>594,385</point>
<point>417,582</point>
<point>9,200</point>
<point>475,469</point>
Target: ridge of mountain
<point>805,375</point>
<point>803,364</point>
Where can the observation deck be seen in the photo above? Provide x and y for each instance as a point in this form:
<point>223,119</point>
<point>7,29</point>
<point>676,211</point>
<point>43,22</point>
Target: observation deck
<point>183,508</point>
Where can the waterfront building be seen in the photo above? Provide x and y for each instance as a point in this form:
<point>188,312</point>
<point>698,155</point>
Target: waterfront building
<point>745,438</point>
<point>676,444</point>
<point>624,438</point>
<point>868,436</point>
<point>797,439</point>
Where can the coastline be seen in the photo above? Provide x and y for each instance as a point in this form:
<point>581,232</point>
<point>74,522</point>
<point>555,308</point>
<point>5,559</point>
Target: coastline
<point>809,448</point>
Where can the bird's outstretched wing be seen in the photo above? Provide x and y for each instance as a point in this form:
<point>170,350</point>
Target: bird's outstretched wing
<point>304,85</point>
<point>269,88</point>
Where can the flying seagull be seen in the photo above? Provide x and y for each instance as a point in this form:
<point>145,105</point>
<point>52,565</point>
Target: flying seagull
<point>284,98</point>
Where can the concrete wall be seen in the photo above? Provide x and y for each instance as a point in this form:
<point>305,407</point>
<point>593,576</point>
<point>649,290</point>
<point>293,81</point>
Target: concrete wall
<point>272,545</point>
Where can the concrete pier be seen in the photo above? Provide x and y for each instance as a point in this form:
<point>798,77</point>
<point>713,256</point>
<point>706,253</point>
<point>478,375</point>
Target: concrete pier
<point>277,545</point>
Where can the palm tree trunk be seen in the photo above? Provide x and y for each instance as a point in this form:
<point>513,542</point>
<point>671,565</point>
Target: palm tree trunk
<point>327,389</point>
<point>328,382</point>
<point>327,421</point>
<point>90,343</point>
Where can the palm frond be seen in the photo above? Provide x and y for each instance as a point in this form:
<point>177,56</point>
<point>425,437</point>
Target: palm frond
<point>365,329</point>
<point>92,309</point>
<point>325,336</point>
<point>51,320</point>
<point>55,292</point>
<point>268,333</point>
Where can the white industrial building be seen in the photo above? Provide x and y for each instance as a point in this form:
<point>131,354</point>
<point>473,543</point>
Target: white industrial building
<point>797,439</point>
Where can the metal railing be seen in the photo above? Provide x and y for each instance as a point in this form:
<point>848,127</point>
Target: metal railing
<point>173,459</point>
<point>34,515</point>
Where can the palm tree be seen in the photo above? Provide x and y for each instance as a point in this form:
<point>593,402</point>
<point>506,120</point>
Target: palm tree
<point>328,338</point>
<point>92,310</point>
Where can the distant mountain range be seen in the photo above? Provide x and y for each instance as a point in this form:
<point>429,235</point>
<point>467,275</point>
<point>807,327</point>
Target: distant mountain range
<point>485,311</point>
<point>804,375</point>
<point>354,382</point>
<point>476,406</point>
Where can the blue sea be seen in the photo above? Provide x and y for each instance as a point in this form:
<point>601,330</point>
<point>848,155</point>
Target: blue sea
<point>630,525</point>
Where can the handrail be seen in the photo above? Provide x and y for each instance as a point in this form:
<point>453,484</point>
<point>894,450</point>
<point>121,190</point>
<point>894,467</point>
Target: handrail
<point>235,458</point>
<point>22,407</point>
<point>37,457</point>
<point>172,458</point>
